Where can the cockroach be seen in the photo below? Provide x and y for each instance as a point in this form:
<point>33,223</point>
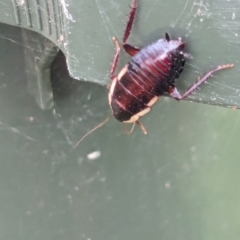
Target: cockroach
<point>149,74</point>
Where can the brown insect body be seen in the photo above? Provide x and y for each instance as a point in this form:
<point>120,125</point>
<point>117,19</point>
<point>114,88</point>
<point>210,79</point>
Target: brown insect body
<point>150,73</point>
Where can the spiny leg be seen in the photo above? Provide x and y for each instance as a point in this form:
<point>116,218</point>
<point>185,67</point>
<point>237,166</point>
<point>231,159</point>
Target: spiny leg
<point>176,95</point>
<point>115,59</point>
<point>130,21</point>
<point>130,49</point>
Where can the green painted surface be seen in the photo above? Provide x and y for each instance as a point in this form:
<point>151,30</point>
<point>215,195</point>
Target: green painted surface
<point>181,181</point>
<point>83,30</point>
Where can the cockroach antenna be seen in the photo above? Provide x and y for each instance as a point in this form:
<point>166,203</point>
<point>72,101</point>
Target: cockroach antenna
<point>94,129</point>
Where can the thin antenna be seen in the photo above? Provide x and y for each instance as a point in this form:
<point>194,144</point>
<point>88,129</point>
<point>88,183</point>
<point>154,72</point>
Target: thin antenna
<point>94,129</point>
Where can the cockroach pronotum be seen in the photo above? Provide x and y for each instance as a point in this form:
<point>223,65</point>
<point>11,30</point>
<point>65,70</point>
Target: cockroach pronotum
<point>149,74</point>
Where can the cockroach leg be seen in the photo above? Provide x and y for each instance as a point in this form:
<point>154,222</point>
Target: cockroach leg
<point>128,48</point>
<point>115,59</point>
<point>142,127</point>
<point>131,50</point>
<point>130,21</point>
<point>125,130</point>
<point>176,95</point>
<point>133,126</point>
